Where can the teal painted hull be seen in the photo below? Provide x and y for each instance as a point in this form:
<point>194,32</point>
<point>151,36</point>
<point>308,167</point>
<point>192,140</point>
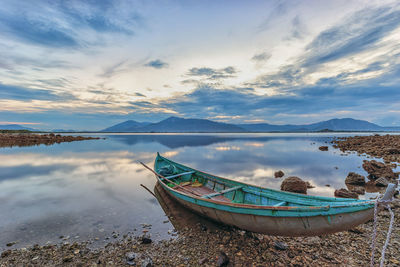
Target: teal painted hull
<point>263,210</point>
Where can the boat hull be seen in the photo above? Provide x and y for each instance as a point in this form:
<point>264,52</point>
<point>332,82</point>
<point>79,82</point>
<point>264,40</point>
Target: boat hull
<point>281,226</point>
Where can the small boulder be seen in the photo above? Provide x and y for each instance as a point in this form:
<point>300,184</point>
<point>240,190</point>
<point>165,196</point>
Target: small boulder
<point>130,258</point>
<point>280,245</point>
<point>294,184</point>
<point>355,178</point>
<point>148,262</point>
<point>222,260</point>
<point>323,148</point>
<point>279,174</point>
<point>356,188</point>
<point>344,193</point>
<point>146,240</point>
<point>377,169</point>
<point>382,182</point>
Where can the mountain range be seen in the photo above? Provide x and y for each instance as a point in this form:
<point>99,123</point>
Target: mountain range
<point>175,124</point>
<point>14,127</point>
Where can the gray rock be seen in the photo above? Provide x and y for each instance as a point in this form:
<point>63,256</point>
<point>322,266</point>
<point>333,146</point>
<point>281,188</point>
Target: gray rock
<point>130,258</point>
<point>148,262</point>
<point>222,260</point>
<point>146,240</point>
<point>280,245</point>
<point>381,182</point>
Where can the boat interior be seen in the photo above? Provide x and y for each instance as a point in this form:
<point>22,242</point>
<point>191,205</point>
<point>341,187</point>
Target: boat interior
<point>200,184</point>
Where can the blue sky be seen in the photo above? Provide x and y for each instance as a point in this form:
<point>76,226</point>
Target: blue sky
<point>91,64</point>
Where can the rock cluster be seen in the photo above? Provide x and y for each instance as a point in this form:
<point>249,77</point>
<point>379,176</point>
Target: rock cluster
<point>385,146</point>
<point>377,170</point>
<point>294,184</point>
<point>29,139</point>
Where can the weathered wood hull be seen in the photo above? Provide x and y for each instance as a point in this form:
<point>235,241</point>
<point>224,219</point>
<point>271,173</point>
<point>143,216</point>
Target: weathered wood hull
<point>281,226</point>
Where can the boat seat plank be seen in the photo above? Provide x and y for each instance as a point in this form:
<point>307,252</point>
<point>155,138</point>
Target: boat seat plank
<point>222,192</point>
<point>203,190</point>
<point>177,175</point>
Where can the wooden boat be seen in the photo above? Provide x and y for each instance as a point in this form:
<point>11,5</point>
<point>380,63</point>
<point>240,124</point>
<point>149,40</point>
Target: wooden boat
<point>259,209</point>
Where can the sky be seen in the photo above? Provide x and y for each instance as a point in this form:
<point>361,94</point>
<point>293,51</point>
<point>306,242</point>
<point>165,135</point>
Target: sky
<point>87,65</point>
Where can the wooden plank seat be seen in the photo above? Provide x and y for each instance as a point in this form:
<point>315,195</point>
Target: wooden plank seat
<point>177,175</point>
<point>203,190</point>
<point>222,192</point>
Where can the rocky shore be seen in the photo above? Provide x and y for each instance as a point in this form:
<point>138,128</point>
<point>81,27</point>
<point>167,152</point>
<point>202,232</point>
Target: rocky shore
<point>379,146</point>
<point>30,139</point>
<point>197,245</point>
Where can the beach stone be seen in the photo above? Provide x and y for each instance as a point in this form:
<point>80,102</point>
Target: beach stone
<point>130,258</point>
<point>5,253</point>
<point>378,169</point>
<point>344,193</point>
<point>355,178</point>
<point>222,260</point>
<point>294,184</point>
<point>381,182</point>
<point>279,174</point>
<point>148,262</point>
<point>68,258</point>
<point>280,245</point>
<point>323,148</point>
<point>146,240</point>
<point>203,261</point>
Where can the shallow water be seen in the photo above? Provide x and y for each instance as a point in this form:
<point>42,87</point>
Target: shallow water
<point>87,190</point>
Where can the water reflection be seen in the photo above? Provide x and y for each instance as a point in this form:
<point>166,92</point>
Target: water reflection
<point>91,188</point>
<point>179,216</point>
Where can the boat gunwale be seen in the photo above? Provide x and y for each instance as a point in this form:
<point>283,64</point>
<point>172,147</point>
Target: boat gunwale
<point>254,206</point>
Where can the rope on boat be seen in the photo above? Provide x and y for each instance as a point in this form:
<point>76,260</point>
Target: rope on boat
<point>385,204</point>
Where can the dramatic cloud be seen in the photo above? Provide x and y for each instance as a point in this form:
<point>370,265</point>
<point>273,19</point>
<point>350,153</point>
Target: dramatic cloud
<point>157,64</point>
<point>211,74</point>
<point>69,64</point>
<point>20,93</point>
<point>261,57</point>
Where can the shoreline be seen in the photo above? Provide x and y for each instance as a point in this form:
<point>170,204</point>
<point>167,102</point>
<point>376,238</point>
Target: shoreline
<point>31,139</point>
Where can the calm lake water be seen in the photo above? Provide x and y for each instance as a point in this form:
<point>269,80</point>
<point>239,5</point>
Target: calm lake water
<point>87,190</point>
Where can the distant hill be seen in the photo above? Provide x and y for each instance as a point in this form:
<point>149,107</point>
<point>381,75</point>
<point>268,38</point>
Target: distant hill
<point>265,127</point>
<point>175,124</point>
<point>15,127</point>
<point>346,124</point>
<point>126,126</point>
